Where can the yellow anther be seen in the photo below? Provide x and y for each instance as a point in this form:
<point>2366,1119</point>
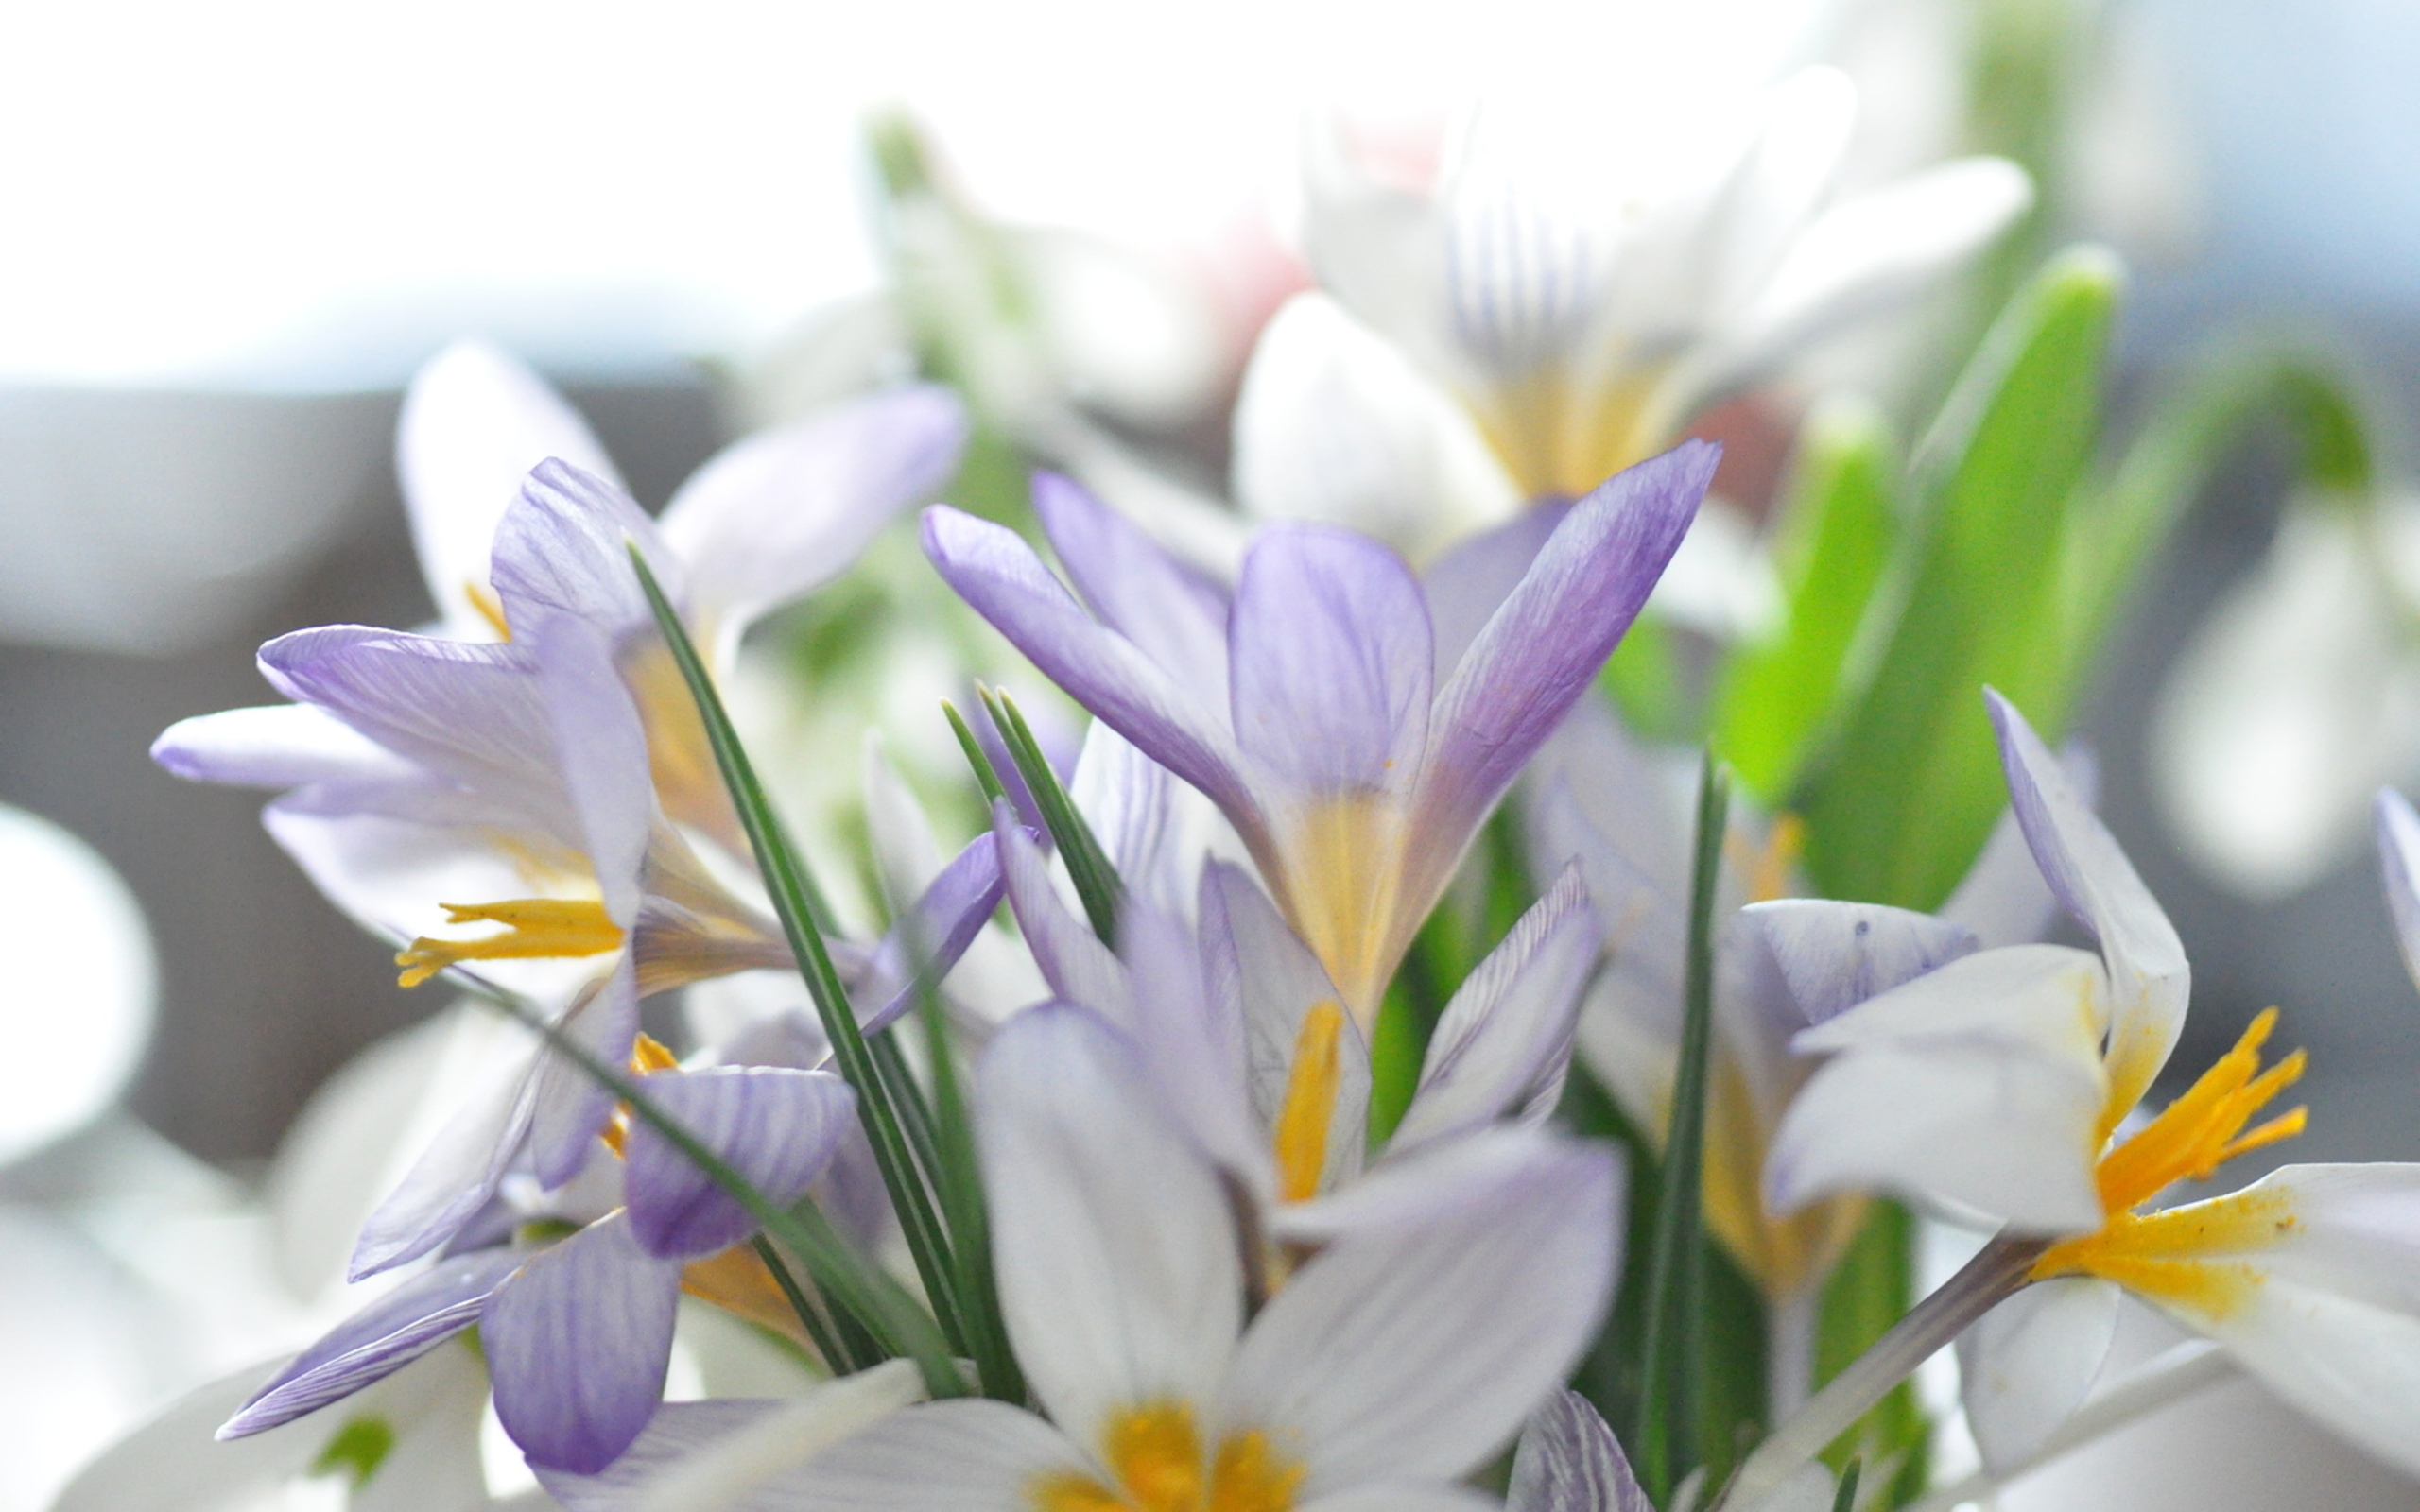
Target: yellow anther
<point>1154,1452</point>
<point>649,1056</point>
<point>2204,1127</point>
<point>1309,1107</point>
<point>534,928</point>
<point>490,608</point>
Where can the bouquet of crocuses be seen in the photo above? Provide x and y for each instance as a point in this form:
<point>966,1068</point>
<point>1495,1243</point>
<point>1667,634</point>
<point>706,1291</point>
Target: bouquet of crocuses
<point>1356,1059</point>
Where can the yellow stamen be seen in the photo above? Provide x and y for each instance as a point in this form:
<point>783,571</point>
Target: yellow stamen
<point>535,928</point>
<point>1303,1118</point>
<point>649,1056</point>
<point>2165,1255</point>
<point>1766,868</point>
<point>1154,1453</point>
<point>490,607</point>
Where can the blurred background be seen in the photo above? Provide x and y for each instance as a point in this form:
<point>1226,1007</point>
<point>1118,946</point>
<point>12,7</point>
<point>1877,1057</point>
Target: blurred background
<point>235,230</point>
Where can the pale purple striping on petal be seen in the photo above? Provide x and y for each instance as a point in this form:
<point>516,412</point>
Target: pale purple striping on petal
<point>1835,955</point>
<point>563,548</point>
<point>777,1127</point>
<point>577,1344</point>
<point>379,1340</point>
<point>1167,609</point>
<point>1569,1461</point>
<point>1467,585</point>
<point>1071,957</point>
<point>1332,663</point>
<point>945,919</point>
<point>601,748</point>
<point>570,1105</point>
<point>278,746</point>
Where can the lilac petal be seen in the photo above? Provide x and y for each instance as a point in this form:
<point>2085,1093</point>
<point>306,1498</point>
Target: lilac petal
<point>943,922</point>
<point>999,575</point>
<point>1542,645</point>
<point>1172,612</point>
<point>600,746</point>
<point>1569,1461</point>
<point>1189,1045</point>
<point>777,1127</point>
<point>1130,803</point>
<point>2399,861</point>
<point>1267,979</point>
<point>1835,955</point>
<point>564,548</point>
<point>1468,584</point>
<point>455,1176</point>
<point>1333,663</point>
<point>377,1341</point>
<point>1073,960</point>
<point>1506,1036</point>
<point>570,1105</point>
<point>577,1344</point>
<point>786,511</point>
<point>280,745</point>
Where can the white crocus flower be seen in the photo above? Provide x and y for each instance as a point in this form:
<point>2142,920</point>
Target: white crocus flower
<point>2007,1081</point>
<point>1369,1382</point>
<point>2297,698</point>
<point>1580,294</point>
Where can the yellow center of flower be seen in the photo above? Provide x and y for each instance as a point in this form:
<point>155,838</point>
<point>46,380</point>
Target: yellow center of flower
<point>2165,1255</point>
<point>1559,437</point>
<point>1303,1118</point>
<point>534,928</point>
<point>1154,1454</point>
<point>490,608</point>
<point>1340,887</point>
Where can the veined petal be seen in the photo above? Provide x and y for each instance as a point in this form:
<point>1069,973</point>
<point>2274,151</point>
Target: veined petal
<point>1569,1461</point>
<point>1374,1355</point>
<point>568,1106</point>
<point>936,930</point>
<point>2099,887</point>
<point>1118,1260</point>
<point>2028,1365</point>
<point>966,1456</point>
<point>601,748</point>
<point>1172,613</point>
<point>283,745</point>
<point>2399,860</point>
<point>775,1126</point>
<point>473,422</point>
<point>1333,664</point>
<point>997,573</point>
<point>680,1433</point>
<point>1191,1044</point>
<point>1505,1038</point>
<point>1073,960</point>
<point>1543,644</point>
<point>1437,1183</point>
<point>1151,828</point>
<point>577,1343</point>
<point>377,1341</point>
<point>786,511</point>
<point>1335,424</point>
<point>460,1170</point>
<point>1835,955</point>
<point>2051,1000</point>
<point>1271,980</point>
<point>1468,584</point>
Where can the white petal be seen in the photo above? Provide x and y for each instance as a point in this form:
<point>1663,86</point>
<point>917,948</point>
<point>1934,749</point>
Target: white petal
<point>277,746</point>
<point>1073,960</point>
<point>2399,861</point>
<point>2049,999</point>
<point>1191,1043</point>
<point>1569,1461</point>
<point>1836,955</point>
<point>766,1451</point>
<point>2352,1366</point>
<point>1272,980</point>
<point>2353,1229</point>
<point>1133,339</point>
<point>963,1455</point>
<point>1375,1356</point>
<point>1756,218</point>
<point>1119,1268</point>
<point>906,854</point>
<point>1400,1496</point>
<point>458,1172</point>
<point>474,423</point>
<point>1375,248</point>
<point>2028,1366</point>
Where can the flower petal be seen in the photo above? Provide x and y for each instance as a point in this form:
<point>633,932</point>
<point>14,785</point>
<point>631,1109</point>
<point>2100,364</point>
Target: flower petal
<point>1403,1496</point>
<point>1504,1041</point>
<point>460,1170</point>
<point>280,745</point>
<point>1439,1183</point>
<point>1172,613</point>
<point>2350,1366</point>
<point>780,514</point>
<point>2399,861</point>
<point>2080,859</point>
<point>577,1343</point>
<point>1119,1268</point>
<point>1468,584</point>
<point>1375,1356</point>
<point>377,1341</point>
<point>937,930</point>
<point>600,749</point>
<point>998,574</point>
<point>569,1106</point>
<point>1542,646</point>
<point>965,1455</point>
<point>1270,979</point>
<point>1835,955</point>
<point>1569,1461</point>
<point>473,422</point>
<point>2028,1365</point>
<point>1191,1044</point>
<point>777,1127</point>
<point>1072,959</point>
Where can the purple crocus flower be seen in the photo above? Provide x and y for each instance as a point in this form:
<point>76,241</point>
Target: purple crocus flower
<point>1308,705</point>
<point>578,1335</point>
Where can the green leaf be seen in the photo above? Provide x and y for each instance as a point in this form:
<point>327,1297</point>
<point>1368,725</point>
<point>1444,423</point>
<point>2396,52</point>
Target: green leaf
<point>357,1449</point>
<point>804,924</point>
<point>976,758</point>
<point>1097,885</point>
<point>1671,1358</point>
<point>1839,522</point>
<point>1844,1494</point>
<point>1905,798</point>
<point>1644,678</point>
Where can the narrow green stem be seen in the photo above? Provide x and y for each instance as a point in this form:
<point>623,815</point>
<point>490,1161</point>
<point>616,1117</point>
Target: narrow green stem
<point>1098,885</point>
<point>809,1316</point>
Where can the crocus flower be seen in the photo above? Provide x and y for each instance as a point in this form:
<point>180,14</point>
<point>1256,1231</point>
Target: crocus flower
<point>1581,307</point>
<point>1369,1381</point>
<point>578,1335</point>
<point>1569,1460</point>
<point>1310,705</point>
<point>2005,1081</point>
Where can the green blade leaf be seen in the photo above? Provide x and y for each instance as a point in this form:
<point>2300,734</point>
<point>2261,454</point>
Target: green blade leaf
<point>1912,788</point>
<point>804,924</point>
<point>1097,885</point>
<point>1839,522</point>
<point>976,758</point>
<point>1671,1359</point>
<point>1845,1495</point>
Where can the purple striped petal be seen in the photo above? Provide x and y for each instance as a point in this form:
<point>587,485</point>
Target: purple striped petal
<point>563,548</point>
<point>2399,861</point>
<point>1174,615</point>
<point>1835,955</point>
<point>454,1177</point>
<point>377,1341</point>
<point>943,922</point>
<point>283,745</point>
<point>1333,663</point>
<point>601,748</point>
<point>570,1105</point>
<point>577,1344</point>
<point>1073,960</point>
<point>1005,582</point>
<point>1569,1461</point>
<point>1542,645</point>
<point>1467,585</point>
<point>777,1127</point>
